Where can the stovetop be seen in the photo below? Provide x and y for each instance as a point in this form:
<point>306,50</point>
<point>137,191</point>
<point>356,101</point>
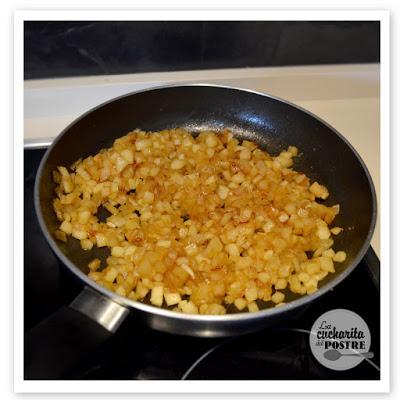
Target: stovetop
<point>137,352</point>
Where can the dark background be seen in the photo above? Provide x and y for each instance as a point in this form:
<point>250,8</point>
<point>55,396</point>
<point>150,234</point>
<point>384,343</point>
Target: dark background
<point>65,48</point>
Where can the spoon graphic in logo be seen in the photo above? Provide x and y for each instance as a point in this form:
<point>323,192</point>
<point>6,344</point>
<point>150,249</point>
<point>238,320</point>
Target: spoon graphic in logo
<point>333,355</point>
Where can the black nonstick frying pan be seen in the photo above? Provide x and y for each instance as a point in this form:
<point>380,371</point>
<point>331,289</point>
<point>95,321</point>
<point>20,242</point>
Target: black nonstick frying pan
<point>53,346</point>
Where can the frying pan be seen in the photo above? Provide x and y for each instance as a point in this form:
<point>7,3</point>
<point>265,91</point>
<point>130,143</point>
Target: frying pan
<point>53,347</point>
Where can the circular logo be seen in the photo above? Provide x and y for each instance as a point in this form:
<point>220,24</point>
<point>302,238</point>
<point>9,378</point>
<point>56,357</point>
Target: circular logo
<point>340,339</point>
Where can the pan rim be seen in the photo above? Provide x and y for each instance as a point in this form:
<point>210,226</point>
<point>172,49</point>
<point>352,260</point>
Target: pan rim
<point>222,319</point>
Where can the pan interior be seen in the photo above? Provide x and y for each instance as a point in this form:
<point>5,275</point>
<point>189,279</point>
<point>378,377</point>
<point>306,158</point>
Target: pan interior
<point>272,124</point>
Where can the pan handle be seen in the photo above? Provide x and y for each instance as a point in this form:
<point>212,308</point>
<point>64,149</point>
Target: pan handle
<point>54,346</point>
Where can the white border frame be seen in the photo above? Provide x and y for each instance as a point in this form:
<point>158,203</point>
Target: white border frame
<point>20,385</point>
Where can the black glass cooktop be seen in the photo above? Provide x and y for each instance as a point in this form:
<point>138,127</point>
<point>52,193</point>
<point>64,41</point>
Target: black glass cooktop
<point>137,352</point>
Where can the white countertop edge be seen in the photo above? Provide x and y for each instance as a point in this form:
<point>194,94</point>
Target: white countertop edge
<point>190,75</point>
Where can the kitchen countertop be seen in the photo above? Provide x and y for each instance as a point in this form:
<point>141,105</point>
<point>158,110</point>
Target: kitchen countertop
<point>346,96</point>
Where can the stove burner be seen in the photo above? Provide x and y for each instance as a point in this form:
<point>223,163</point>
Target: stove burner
<point>277,354</point>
